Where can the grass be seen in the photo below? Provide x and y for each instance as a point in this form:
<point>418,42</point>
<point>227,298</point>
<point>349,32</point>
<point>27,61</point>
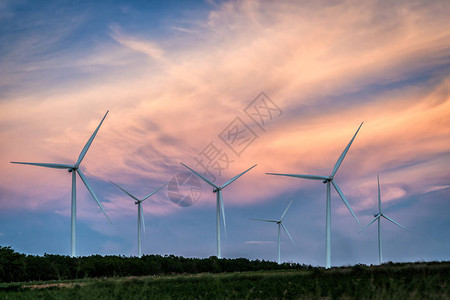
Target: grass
<point>400,281</point>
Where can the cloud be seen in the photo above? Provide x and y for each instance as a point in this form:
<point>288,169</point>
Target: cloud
<point>148,48</point>
<point>182,29</point>
<point>259,242</point>
<point>437,188</point>
<point>329,66</point>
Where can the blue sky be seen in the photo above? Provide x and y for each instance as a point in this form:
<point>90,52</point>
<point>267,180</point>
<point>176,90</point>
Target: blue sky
<point>175,74</point>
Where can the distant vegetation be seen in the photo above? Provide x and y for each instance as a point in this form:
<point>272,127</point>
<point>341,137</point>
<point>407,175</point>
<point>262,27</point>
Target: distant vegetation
<point>262,279</point>
<point>16,267</point>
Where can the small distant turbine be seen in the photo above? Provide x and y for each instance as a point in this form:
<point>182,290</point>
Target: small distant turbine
<point>330,180</point>
<point>74,169</point>
<point>280,224</point>
<point>378,218</point>
<point>140,212</point>
<point>219,204</point>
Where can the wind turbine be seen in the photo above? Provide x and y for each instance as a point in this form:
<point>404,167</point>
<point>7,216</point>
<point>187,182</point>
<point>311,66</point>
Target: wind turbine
<point>280,224</point>
<point>140,212</point>
<point>219,203</point>
<point>74,169</point>
<point>329,180</point>
<point>378,218</point>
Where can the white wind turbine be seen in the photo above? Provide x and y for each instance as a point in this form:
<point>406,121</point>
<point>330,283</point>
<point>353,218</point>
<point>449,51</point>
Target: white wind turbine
<point>74,169</point>
<point>140,212</point>
<point>330,180</point>
<point>280,224</point>
<point>378,218</point>
<point>219,204</point>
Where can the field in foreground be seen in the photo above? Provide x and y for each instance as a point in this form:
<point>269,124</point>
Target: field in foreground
<point>389,281</point>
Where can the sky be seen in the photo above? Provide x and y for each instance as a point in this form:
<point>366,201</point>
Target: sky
<point>222,86</point>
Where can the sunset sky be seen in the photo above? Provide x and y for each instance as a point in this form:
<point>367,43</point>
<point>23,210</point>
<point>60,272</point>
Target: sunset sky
<point>179,76</point>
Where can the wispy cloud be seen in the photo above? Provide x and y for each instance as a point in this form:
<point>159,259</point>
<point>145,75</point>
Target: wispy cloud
<point>182,29</point>
<point>259,243</point>
<point>148,48</point>
<point>437,188</point>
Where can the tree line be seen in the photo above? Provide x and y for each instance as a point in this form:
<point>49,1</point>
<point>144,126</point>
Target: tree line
<point>16,267</point>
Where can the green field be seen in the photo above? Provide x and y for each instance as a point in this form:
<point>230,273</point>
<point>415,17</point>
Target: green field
<point>389,281</point>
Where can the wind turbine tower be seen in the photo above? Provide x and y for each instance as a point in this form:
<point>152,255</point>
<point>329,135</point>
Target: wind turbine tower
<point>280,225</point>
<point>74,169</point>
<point>378,218</point>
<point>219,202</point>
<point>138,202</point>
<point>329,180</point>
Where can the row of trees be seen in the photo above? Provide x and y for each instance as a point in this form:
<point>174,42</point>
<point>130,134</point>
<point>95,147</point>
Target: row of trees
<point>15,267</point>
<point>18,267</point>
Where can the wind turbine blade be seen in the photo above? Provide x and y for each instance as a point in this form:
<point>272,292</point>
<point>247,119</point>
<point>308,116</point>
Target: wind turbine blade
<point>47,165</point>
<point>285,211</point>
<point>396,223</point>
<point>365,227</point>
<point>142,217</point>
<point>201,176</point>
<point>154,192</point>
<point>222,208</point>
<point>345,201</point>
<point>341,158</point>
<point>379,195</point>
<point>285,229</point>
<point>89,142</point>
<point>92,193</point>
<point>264,220</point>
<point>236,177</point>
<point>313,177</point>
<point>123,190</point>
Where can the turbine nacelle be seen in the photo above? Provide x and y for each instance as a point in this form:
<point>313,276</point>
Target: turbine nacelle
<point>215,190</point>
<point>329,179</point>
<point>72,169</point>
